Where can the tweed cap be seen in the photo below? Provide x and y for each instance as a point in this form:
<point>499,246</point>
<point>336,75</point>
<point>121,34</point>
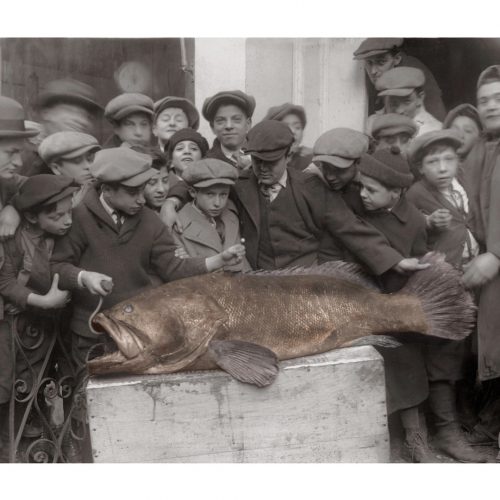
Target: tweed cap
<point>71,91</point>
<point>188,134</point>
<point>12,120</point>
<point>125,104</point>
<point>463,110</point>
<point>371,47</point>
<point>66,145</point>
<point>491,72</point>
<point>400,81</point>
<point>122,165</point>
<point>387,167</point>
<point>179,102</point>
<point>237,97</point>
<point>391,124</point>
<point>279,112</point>
<point>210,171</point>
<point>340,147</point>
<point>42,190</point>
<point>420,144</point>
<point>269,140</point>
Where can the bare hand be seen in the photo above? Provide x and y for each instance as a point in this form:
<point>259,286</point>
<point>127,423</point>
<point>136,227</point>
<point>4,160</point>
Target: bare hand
<point>168,215</point>
<point>480,270</point>
<point>97,283</point>
<point>9,222</point>
<point>234,255</point>
<point>406,266</point>
<point>55,298</point>
<point>439,219</point>
<point>181,253</point>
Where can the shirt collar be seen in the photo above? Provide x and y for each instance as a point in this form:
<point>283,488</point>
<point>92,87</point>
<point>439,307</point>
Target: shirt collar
<point>282,180</point>
<point>231,154</point>
<point>109,210</point>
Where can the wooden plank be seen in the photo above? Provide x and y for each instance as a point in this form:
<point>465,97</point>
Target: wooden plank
<point>327,408</point>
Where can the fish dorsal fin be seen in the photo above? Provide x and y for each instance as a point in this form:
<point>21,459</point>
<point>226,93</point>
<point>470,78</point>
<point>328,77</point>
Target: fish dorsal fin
<point>245,361</point>
<point>347,271</point>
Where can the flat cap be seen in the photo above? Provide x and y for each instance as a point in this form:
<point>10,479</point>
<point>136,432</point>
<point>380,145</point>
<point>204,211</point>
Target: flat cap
<point>490,73</point>
<point>66,145</point>
<point>463,110</point>
<point>179,102</point>
<point>340,147</point>
<point>12,119</point>
<point>279,112</point>
<point>391,124</point>
<point>125,104</point>
<point>400,81</point>
<point>419,145</point>
<point>210,171</point>
<point>387,167</point>
<point>42,190</point>
<point>122,165</point>
<point>269,140</point>
<point>188,134</point>
<point>371,47</point>
<point>71,91</point>
<point>237,97</point>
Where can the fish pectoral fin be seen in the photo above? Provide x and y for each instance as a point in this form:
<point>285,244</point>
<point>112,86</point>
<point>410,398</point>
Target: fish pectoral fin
<point>375,340</point>
<point>245,361</point>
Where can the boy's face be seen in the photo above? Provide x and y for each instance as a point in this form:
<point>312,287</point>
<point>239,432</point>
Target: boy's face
<point>185,153</point>
<point>135,129</point>
<point>295,125</point>
<point>10,156</point>
<point>375,195</point>
<point>57,222</point>
<point>78,168</point>
<point>400,140</point>
<point>338,178</point>
<point>269,172</point>
<point>408,105</point>
<point>439,166</point>
<point>128,200</point>
<point>231,126</point>
<point>156,189</point>
<point>168,122</point>
<point>469,132</point>
<point>488,105</point>
<point>211,200</point>
<point>376,66</point>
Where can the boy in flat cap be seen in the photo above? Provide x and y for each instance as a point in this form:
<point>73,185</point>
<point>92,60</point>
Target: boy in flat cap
<point>131,115</point>
<point>26,286</point>
<point>382,54</point>
<point>156,190</point>
<point>295,117</point>
<point>392,130</point>
<point>172,114</point>
<point>210,222</point>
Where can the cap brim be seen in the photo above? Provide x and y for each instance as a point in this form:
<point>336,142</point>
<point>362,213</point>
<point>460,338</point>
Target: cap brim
<point>371,53</point>
<point>387,131</point>
<point>140,179</point>
<point>336,161</point>
<point>81,151</point>
<point>19,133</point>
<point>64,194</point>
<point>130,110</point>
<point>209,113</point>
<point>268,155</point>
<point>212,182</point>
<point>47,99</point>
<point>396,92</point>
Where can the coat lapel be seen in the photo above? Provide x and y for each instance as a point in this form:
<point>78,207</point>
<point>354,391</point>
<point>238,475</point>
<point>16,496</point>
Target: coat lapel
<point>199,231</point>
<point>247,190</point>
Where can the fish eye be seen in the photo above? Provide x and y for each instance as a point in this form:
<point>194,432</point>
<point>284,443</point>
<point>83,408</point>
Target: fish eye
<point>128,308</point>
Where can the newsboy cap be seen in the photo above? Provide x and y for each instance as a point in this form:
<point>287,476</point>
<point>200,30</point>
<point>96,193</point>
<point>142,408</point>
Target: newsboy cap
<point>387,167</point>
<point>210,171</point>
<point>188,134</point>
<point>465,109</point>
<point>420,144</point>
<point>391,124</point>
<point>237,97</point>
<point>490,73</point>
<point>12,120</point>
<point>70,91</point>
<point>43,190</point>
<point>340,147</point>
<point>400,81</point>
<point>125,104</point>
<point>269,140</point>
<point>371,47</point>
<point>123,166</point>
<point>179,102</point>
<point>66,145</point>
<point>279,112</point>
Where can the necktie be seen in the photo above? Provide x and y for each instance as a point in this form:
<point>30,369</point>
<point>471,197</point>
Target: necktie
<point>118,220</point>
<point>270,191</point>
<point>220,228</point>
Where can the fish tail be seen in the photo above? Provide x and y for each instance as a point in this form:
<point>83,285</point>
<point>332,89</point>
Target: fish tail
<point>448,308</point>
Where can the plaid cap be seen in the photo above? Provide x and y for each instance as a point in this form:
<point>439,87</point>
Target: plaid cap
<point>210,171</point>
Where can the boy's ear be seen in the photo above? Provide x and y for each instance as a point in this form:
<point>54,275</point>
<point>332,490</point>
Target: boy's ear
<point>32,219</point>
<point>397,58</point>
<point>192,192</point>
<point>55,167</point>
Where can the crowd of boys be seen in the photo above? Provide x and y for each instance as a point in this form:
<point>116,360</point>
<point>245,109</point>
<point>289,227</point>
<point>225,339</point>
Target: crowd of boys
<point>155,203</point>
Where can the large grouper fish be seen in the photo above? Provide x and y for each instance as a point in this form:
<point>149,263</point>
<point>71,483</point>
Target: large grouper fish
<point>245,323</point>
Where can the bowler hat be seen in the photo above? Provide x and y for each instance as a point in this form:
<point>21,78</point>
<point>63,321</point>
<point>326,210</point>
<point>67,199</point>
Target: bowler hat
<point>391,124</point>
<point>420,144</point>
<point>340,147</point>
<point>12,120</point>
<point>371,47</point>
<point>71,91</point>
<point>400,81</point>
<point>463,110</point>
<point>179,102</point>
<point>279,112</point>
<point>123,166</point>
<point>237,97</point>
<point>42,190</point>
<point>269,140</point>
<point>187,134</point>
<point>66,145</point>
<point>125,104</point>
<point>387,167</point>
<point>210,171</point>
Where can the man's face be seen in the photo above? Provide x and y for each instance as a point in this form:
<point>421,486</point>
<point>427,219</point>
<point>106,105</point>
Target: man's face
<point>337,178</point>
<point>10,156</point>
<point>185,153</point>
<point>488,106</point>
<point>134,129</point>
<point>468,131</point>
<point>156,189</point>
<point>64,116</point>
<point>78,168</point>
<point>376,66</point>
<point>211,200</point>
<point>400,140</point>
<point>375,195</point>
<point>58,221</point>
<point>269,172</point>
<point>128,200</point>
<point>404,105</point>
<point>295,125</point>
<point>231,126</point>
<point>168,122</point>
<point>439,166</point>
